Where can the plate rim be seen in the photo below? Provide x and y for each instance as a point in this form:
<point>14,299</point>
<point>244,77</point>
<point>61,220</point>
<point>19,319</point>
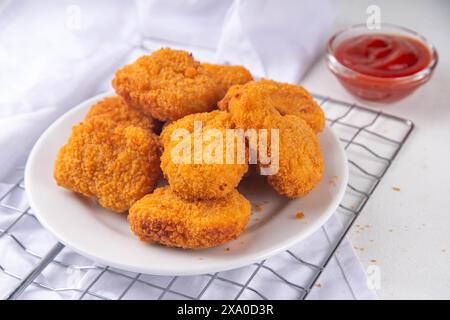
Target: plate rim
<point>225,265</point>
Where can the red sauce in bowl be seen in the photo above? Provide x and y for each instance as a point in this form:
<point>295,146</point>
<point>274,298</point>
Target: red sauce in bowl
<point>383,55</point>
<point>378,66</point>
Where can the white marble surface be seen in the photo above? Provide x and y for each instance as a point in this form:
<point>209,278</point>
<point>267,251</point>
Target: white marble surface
<point>410,230</point>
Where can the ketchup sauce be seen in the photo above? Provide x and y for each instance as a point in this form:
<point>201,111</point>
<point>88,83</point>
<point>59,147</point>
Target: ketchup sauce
<point>383,65</point>
<point>383,55</point>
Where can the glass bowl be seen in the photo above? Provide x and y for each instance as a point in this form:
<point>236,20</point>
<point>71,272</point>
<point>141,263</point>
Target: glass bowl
<point>375,88</point>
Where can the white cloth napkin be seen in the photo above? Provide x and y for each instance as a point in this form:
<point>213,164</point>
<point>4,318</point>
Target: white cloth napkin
<point>54,55</point>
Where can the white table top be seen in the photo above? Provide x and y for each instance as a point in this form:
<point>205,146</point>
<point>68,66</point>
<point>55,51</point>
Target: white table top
<point>410,230</point>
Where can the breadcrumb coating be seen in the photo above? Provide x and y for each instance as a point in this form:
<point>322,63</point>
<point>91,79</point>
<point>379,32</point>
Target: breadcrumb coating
<point>170,84</point>
<point>202,180</point>
<point>115,162</point>
<point>167,85</point>
<point>295,100</point>
<point>250,105</point>
<point>300,159</point>
<point>273,98</point>
<point>168,219</point>
<point>258,105</point>
<point>228,76</point>
<point>117,110</point>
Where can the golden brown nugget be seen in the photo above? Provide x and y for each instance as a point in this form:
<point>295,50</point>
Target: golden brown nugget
<point>167,85</point>
<point>300,159</point>
<point>258,99</point>
<point>116,163</point>
<point>227,75</point>
<point>168,219</point>
<point>295,100</point>
<point>208,178</point>
<point>117,110</point>
<point>250,105</point>
<point>255,105</point>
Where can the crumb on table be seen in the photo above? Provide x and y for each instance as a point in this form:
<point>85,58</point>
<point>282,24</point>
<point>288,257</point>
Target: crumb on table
<point>333,180</point>
<point>299,215</point>
<point>396,189</point>
<point>258,207</point>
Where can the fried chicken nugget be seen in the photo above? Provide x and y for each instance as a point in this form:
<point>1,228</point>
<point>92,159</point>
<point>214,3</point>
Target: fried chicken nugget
<point>285,99</point>
<point>300,159</point>
<point>228,76</point>
<point>115,162</point>
<point>167,85</point>
<point>168,219</point>
<point>250,105</point>
<point>256,106</point>
<point>208,177</point>
<point>117,110</point>
<point>170,84</point>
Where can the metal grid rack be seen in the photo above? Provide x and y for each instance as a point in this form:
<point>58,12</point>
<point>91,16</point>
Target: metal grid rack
<point>372,140</point>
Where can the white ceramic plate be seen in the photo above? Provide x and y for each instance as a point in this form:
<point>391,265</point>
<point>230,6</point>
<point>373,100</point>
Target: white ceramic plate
<point>106,237</point>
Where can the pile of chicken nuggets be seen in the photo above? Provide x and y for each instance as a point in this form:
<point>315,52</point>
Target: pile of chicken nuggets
<point>118,153</point>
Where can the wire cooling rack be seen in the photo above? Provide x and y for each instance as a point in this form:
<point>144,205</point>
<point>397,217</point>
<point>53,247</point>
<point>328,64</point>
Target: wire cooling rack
<point>372,140</point>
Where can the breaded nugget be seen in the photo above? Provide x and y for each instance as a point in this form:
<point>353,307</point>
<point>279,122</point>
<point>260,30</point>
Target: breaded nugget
<point>208,177</point>
<point>292,99</point>
<point>168,219</point>
<point>265,97</point>
<point>167,85</point>
<point>115,162</point>
<point>300,159</point>
<point>250,105</point>
<point>257,105</point>
<point>228,76</point>
<point>117,110</point>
